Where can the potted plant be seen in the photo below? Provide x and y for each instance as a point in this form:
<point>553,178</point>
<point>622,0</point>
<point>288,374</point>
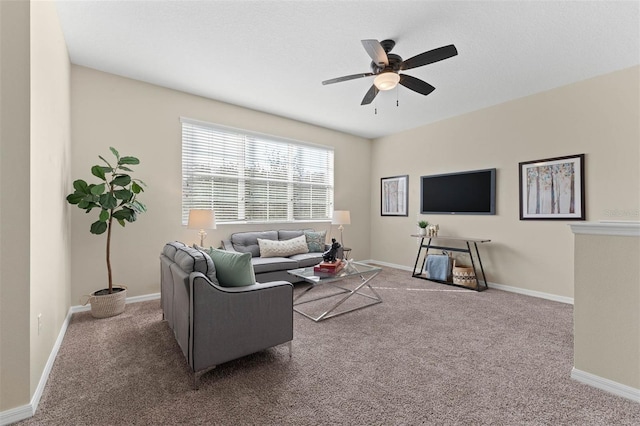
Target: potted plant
<point>116,198</point>
<point>422,225</point>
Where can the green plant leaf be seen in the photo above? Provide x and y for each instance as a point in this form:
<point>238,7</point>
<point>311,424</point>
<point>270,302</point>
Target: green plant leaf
<point>104,215</point>
<point>108,164</point>
<point>138,207</point>
<point>133,216</point>
<point>97,189</point>
<point>108,201</point>
<point>122,214</point>
<point>98,171</point>
<point>75,198</point>
<point>121,180</point>
<point>121,222</point>
<point>98,227</point>
<point>123,194</point>
<point>129,160</point>
<point>114,152</point>
<point>125,168</point>
<point>80,186</point>
<point>84,204</point>
<point>136,188</point>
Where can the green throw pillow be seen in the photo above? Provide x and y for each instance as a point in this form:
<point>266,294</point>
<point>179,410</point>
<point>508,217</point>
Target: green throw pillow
<point>233,269</point>
<point>315,241</point>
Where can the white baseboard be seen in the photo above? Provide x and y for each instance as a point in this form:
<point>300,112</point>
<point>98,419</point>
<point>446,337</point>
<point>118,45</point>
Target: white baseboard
<point>25,411</point>
<point>539,294</point>
<point>606,385</point>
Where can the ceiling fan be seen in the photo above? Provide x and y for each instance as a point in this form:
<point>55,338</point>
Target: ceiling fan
<point>386,67</point>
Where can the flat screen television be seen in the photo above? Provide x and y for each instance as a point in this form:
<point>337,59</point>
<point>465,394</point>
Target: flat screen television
<point>471,192</point>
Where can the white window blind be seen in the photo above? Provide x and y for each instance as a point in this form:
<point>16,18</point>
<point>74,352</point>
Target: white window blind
<point>249,177</point>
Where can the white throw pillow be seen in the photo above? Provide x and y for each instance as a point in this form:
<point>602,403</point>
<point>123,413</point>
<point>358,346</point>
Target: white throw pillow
<point>284,248</point>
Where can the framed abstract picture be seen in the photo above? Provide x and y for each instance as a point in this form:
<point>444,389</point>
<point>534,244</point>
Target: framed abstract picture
<point>394,197</point>
<point>553,188</point>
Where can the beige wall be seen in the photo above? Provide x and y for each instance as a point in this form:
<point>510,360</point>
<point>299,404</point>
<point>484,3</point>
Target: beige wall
<point>606,314</point>
<point>143,120</point>
<point>598,117</point>
<point>14,204</point>
<point>50,167</point>
<point>34,167</point>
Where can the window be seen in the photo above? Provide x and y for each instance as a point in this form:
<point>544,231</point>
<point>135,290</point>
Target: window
<point>250,177</point>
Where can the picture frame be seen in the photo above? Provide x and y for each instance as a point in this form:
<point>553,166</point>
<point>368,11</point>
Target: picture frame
<point>394,196</point>
<point>552,189</point>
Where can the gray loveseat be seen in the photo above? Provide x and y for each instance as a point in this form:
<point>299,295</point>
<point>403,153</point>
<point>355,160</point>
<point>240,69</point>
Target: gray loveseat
<point>274,268</point>
<point>214,324</point>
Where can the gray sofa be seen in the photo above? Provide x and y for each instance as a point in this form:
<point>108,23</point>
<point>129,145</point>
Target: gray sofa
<point>273,268</point>
<point>214,324</point>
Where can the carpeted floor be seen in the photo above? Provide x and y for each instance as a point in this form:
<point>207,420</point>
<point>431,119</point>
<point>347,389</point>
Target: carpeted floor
<point>429,354</point>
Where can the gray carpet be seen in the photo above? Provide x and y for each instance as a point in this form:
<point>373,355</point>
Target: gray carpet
<point>429,354</point>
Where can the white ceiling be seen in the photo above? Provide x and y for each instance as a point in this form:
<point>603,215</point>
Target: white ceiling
<point>272,56</point>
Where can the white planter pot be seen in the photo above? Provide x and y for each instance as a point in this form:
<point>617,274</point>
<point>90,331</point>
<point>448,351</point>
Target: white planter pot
<point>108,305</point>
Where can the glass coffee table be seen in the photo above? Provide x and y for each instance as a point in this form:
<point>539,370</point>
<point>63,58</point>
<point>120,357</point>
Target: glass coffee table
<point>338,281</point>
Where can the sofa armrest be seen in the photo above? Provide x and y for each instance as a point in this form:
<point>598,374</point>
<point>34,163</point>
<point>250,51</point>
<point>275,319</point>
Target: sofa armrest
<point>231,322</point>
<point>254,287</point>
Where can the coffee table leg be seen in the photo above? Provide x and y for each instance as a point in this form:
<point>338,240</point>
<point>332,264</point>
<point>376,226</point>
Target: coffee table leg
<point>327,314</point>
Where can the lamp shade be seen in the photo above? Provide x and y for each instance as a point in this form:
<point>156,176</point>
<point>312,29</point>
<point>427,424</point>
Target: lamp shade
<point>341,217</point>
<point>201,219</point>
<point>386,80</point>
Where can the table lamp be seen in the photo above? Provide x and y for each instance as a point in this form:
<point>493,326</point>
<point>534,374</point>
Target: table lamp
<point>201,219</point>
<point>341,217</point>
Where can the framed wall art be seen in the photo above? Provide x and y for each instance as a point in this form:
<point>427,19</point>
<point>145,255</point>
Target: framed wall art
<point>553,188</point>
<point>394,193</point>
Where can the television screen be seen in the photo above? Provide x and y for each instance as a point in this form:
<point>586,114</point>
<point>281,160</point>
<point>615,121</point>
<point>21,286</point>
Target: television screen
<point>472,192</point>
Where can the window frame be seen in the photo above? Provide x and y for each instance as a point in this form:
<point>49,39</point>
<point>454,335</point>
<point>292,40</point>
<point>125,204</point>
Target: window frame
<point>259,141</point>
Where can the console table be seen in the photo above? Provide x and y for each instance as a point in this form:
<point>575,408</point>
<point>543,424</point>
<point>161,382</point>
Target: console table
<point>469,242</point>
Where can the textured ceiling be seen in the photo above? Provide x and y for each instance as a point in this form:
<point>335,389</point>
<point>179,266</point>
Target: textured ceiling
<point>272,56</point>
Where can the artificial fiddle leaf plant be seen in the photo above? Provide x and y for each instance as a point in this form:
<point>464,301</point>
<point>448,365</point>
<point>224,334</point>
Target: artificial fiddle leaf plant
<point>115,197</point>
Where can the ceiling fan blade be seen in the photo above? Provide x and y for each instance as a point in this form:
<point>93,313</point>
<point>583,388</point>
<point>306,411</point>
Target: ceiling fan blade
<point>347,77</point>
<point>416,84</point>
<point>370,96</point>
<point>430,57</point>
<point>376,51</point>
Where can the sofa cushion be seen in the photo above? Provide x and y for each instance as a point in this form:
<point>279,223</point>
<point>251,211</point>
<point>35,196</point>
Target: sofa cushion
<point>307,259</point>
<point>193,260</point>
<point>233,269</point>
<point>315,241</point>
<point>171,248</point>
<point>287,234</point>
<point>285,248</point>
<point>247,242</point>
<point>269,264</point>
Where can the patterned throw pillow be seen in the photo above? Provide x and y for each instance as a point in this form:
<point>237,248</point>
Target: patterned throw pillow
<point>285,248</point>
<point>315,241</point>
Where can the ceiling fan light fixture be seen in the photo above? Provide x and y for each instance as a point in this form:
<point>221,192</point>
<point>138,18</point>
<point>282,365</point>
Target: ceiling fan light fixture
<point>386,80</point>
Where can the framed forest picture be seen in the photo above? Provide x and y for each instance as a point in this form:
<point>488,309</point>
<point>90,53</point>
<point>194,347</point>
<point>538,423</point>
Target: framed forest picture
<point>394,194</point>
<point>553,188</point>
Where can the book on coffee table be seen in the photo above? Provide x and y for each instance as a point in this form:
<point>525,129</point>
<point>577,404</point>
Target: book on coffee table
<point>329,267</point>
